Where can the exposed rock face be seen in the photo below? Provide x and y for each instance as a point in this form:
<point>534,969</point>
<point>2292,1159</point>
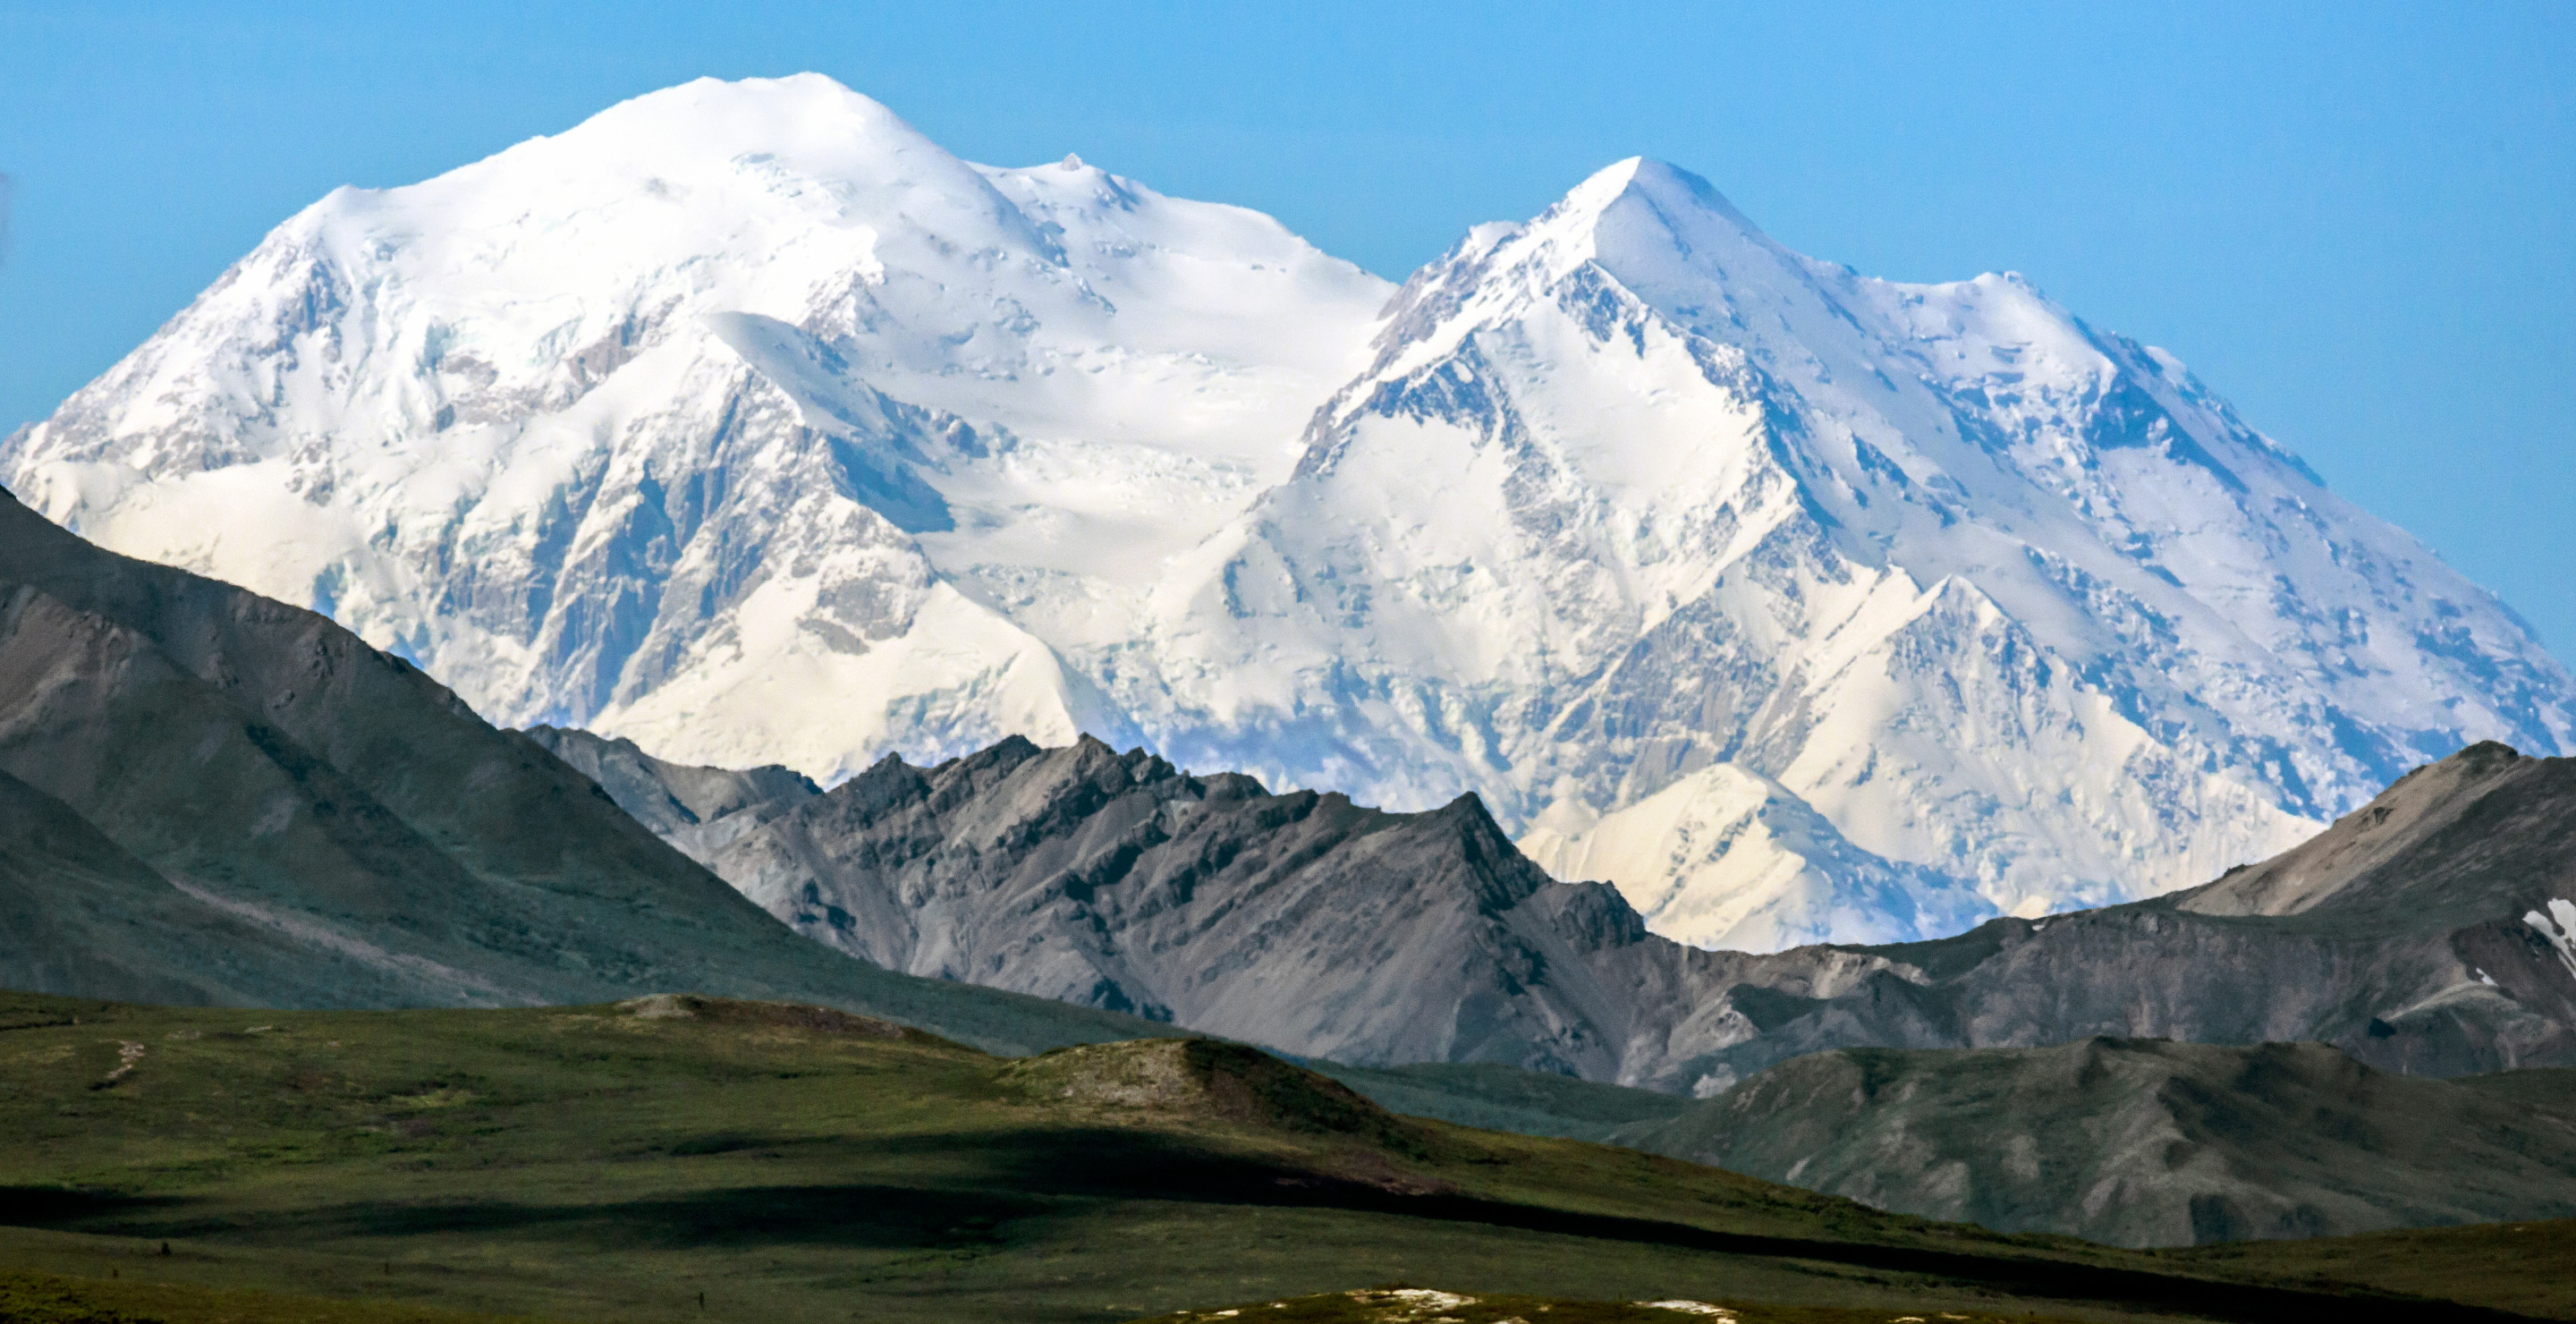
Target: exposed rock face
<point>699,810</point>
<point>2143,1142</point>
<point>1300,921</point>
<point>210,796</point>
<point>1310,924</point>
<point>745,421</point>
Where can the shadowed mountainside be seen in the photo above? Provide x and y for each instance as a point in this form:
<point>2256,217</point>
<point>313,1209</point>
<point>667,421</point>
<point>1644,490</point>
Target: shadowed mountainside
<point>2143,1142</point>
<point>216,797</point>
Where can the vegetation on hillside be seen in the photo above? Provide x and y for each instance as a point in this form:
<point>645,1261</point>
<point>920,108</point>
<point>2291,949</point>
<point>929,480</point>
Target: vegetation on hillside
<point>681,1158</point>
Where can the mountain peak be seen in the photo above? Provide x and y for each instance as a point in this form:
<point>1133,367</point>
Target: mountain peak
<point>1643,200</point>
<point>762,113</point>
<point>1645,179</point>
<point>703,146</point>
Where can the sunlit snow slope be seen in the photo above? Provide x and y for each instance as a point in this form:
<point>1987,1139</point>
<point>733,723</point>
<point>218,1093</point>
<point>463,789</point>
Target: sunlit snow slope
<point>741,420</point>
<point>745,422</point>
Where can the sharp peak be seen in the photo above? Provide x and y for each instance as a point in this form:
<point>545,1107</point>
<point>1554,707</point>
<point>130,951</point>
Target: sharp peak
<point>1660,183</point>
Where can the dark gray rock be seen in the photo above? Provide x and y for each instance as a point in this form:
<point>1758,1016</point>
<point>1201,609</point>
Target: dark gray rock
<point>2144,1142</point>
<point>1322,928</point>
<point>1300,921</point>
<point>699,810</point>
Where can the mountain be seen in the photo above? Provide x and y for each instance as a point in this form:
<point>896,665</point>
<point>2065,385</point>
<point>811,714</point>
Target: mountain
<point>1729,858</point>
<point>1296,920</point>
<point>699,810</point>
<point>2142,1142</point>
<point>1633,491</point>
<point>669,424</point>
<point>2426,932</point>
<point>2435,946</point>
<point>207,796</point>
<point>744,422</point>
<point>2485,835</point>
<point>78,912</point>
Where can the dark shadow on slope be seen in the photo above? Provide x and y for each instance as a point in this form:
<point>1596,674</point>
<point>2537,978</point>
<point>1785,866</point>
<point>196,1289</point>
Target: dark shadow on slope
<point>1060,1174</point>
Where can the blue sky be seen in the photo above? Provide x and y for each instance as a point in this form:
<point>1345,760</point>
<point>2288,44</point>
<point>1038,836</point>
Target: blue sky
<point>2357,221</point>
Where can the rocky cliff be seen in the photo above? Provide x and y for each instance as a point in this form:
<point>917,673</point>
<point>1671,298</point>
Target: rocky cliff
<point>2428,937</point>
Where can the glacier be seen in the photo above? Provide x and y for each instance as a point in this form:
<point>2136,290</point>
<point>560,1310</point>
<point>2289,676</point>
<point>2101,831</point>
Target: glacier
<point>745,422</point>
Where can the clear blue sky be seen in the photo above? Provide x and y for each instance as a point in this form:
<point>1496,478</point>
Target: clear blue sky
<point>2356,220</point>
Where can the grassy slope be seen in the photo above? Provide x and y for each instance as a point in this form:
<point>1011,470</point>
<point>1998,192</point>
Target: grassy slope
<point>798,1165</point>
<point>1404,1305</point>
<point>1501,1098</point>
<point>42,1298</point>
<point>2527,1268</point>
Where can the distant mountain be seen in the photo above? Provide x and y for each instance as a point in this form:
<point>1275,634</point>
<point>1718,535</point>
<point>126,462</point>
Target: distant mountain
<point>207,796</point>
<point>2143,1142</point>
<point>2429,936</point>
<point>1726,857</point>
<point>699,810</point>
<point>2427,933</point>
<point>743,421</point>
<point>654,425</point>
<point>1298,920</point>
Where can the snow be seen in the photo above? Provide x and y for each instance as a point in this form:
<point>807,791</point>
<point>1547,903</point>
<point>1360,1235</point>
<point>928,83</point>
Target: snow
<point>2562,934</point>
<point>1727,858</point>
<point>744,421</point>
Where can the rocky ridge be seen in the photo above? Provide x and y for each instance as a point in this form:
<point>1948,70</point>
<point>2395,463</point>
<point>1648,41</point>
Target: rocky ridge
<point>699,810</point>
<point>1319,927</point>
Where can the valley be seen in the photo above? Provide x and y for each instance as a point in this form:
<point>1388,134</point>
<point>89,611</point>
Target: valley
<point>613,1161</point>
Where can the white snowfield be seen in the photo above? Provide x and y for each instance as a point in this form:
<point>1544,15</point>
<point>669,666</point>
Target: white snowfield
<point>745,422</point>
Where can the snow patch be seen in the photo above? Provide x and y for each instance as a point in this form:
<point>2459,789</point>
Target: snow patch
<point>2562,934</point>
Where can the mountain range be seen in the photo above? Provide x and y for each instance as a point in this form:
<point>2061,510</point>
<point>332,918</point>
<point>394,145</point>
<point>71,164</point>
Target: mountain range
<point>745,422</point>
<point>214,798</point>
<point>2427,933</point>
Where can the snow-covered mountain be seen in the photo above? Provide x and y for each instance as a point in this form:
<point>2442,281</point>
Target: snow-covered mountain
<point>706,422</point>
<point>745,422</point>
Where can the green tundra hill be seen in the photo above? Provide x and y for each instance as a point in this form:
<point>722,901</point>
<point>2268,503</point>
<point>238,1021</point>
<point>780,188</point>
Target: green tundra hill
<point>677,1158</point>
